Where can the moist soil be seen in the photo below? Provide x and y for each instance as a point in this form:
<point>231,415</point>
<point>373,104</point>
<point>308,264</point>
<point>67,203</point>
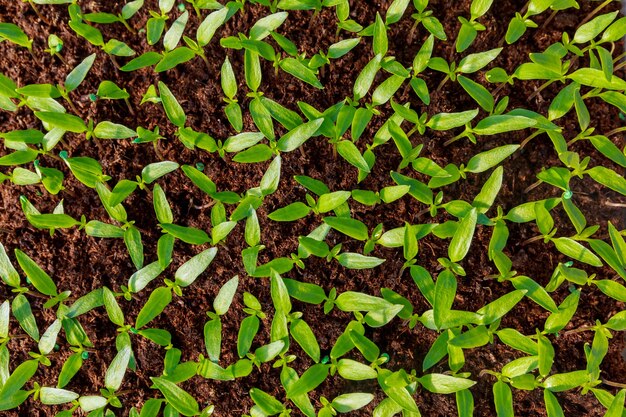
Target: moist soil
<point>80,263</point>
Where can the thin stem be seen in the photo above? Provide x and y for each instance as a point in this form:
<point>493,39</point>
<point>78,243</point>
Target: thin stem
<point>529,138</point>
<point>579,330</point>
<point>156,149</point>
<point>206,62</point>
<point>594,12</point>
<point>39,15</point>
<point>58,55</point>
<point>532,186</point>
<point>616,130</point>
<point>540,89</point>
<point>127,26</point>
<point>72,106</point>
<point>619,67</point>
<point>613,384</point>
<point>443,82</point>
<point>114,61</point>
<point>130,108</point>
<point>454,139</point>
<point>531,240</point>
<point>611,204</point>
<point>412,32</point>
<point>498,88</point>
<point>549,19</point>
<point>619,57</point>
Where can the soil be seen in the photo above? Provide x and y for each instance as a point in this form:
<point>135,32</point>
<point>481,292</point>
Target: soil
<point>80,263</point>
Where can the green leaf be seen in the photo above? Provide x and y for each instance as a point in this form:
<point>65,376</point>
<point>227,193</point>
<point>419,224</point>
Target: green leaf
<point>309,380</point>
<point>355,371</point>
<point>593,28</point>
<point>330,201</point>
<point>191,270</point>
<point>293,139</point>
<point>445,291</point>
<point>174,58</point>
<point>293,211</point>
<point>575,250</point>
<point>345,403</point>
<point>78,74</point>
<point>209,26</point>
<point>502,123</point>
<point>8,273</point>
<point>444,384</point>
<point>189,235</point>
<point>366,78</point>
<point>262,28</point>
<point>159,299</point>
<point>608,178</point>
<point>557,321</point>
<point>503,399</point>
<point>20,376</point>
<point>225,296</point>
<point>64,121</point>
<point>380,45</point>
<point>161,206</point>
<point>267,404</point>
<point>462,239</point>
<point>132,239</point>
<point>485,160</point>
<point>177,397</point>
<point>15,34</point>
<point>553,408</point>
<point>351,227</point>
<point>109,130</point>
<point>144,276</point>
<point>304,336</point>
<point>499,307</point>
<point>474,62</point>
<point>112,307</point>
<point>357,261</point>
<point>247,332</point>
<point>350,153</point>
<point>71,366</point>
<point>175,32</point>
<point>172,108</point>
<point>156,170</point>
<point>479,93</point>
<point>116,370</point>
<point>565,381</point>
<point>299,70</point>
<point>56,396</point>
<point>147,59</point>
<point>24,315</point>
<point>484,200</point>
<point>38,277</point>
<point>447,121</point>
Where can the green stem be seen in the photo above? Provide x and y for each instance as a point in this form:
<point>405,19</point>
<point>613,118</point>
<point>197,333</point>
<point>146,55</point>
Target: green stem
<point>613,384</point>
<point>531,240</point>
<point>541,88</point>
<point>61,59</point>
<point>125,23</point>
<point>529,138</point>
<point>443,82</point>
<point>619,57</point>
<point>616,130</point>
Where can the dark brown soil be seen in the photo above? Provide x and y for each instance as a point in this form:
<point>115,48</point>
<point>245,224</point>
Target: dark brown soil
<point>80,263</point>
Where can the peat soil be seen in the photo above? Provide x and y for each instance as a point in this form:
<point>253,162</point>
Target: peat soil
<point>80,263</point>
